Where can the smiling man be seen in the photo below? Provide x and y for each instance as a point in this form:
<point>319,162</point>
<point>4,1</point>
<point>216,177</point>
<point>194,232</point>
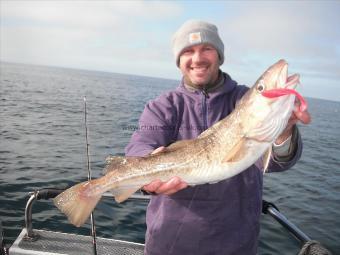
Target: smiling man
<point>198,54</point>
<point>220,218</point>
<point>199,65</point>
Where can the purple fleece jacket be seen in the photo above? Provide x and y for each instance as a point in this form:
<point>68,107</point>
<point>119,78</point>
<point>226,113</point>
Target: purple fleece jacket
<point>221,218</point>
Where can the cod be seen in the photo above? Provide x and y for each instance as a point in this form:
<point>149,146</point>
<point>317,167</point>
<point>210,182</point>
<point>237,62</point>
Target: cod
<point>225,149</point>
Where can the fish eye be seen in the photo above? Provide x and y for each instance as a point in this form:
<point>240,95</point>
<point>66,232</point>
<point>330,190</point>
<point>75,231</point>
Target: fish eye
<point>260,87</point>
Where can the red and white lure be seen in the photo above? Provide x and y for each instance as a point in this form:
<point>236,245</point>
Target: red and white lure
<point>272,93</point>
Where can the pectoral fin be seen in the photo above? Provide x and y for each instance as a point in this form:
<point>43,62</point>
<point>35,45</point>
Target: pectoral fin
<point>266,158</point>
<point>237,152</point>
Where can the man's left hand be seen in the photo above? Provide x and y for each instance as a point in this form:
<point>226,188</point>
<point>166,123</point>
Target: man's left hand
<point>297,116</point>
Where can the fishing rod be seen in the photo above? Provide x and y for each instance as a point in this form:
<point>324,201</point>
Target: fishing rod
<point>89,177</point>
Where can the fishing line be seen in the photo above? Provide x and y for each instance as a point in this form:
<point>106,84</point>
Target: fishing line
<point>89,177</point>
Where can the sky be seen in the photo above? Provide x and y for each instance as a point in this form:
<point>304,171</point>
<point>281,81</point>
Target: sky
<point>134,37</point>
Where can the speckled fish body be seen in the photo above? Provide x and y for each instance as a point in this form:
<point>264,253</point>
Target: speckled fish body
<point>222,151</point>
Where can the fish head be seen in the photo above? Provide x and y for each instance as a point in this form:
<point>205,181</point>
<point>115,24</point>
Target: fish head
<point>268,105</point>
<point>276,77</point>
<point>276,83</point>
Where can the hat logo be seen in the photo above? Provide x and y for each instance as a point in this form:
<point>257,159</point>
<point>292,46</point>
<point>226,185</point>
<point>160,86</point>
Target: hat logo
<point>195,37</point>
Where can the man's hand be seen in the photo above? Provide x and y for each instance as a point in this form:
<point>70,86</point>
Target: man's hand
<point>297,116</point>
<point>167,188</point>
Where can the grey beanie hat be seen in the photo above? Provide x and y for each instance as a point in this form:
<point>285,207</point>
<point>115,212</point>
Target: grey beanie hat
<point>194,32</point>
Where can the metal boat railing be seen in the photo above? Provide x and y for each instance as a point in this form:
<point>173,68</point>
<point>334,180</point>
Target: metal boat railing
<point>272,210</point>
<point>36,195</point>
<point>308,246</point>
<point>52,193</point>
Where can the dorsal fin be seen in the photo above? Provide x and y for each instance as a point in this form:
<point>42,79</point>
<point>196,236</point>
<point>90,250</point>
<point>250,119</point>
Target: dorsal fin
<point>113,162</point>
<point>179,145</point>
<point>210,130</point>
<point>213,128</point>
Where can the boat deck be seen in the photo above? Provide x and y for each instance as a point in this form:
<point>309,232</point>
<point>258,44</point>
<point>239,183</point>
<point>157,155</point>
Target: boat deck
<point>55,243</point>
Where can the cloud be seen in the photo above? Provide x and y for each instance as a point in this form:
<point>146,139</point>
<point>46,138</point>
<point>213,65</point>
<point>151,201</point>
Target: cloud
<point>89,14</point>
<point>134,36</point>
<point>294,27</point>
<point>90,32</point>
<point>305,33</point>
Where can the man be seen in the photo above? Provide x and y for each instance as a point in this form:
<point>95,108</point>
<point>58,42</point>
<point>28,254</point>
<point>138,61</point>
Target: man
<point>221,218</point>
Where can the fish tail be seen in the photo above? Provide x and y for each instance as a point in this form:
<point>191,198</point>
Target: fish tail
<point>78,202</point>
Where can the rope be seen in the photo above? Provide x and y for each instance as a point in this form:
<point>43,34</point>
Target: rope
<point>313,248</point>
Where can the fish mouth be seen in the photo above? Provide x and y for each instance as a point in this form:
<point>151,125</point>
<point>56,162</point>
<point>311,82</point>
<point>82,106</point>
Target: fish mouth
<point>285,85</point>
<point>285,81</point>
<point>282,79</point>
<point>292,81</point>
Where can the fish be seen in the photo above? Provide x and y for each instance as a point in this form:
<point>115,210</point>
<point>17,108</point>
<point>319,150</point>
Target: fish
<point>222,151</point>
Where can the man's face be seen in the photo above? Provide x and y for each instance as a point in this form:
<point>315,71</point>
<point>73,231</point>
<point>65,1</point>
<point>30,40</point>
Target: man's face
<point>199,65</point>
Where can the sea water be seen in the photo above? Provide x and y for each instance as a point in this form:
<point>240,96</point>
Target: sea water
<point>42,145</point>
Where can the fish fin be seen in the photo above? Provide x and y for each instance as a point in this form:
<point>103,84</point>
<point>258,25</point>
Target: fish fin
<point>76,204</point>
<point>121,194</point>
<point>236,153</point>
<point>210,130</point>
<point>113,162</point>
<point>266,158</point>
<point>179,145</point>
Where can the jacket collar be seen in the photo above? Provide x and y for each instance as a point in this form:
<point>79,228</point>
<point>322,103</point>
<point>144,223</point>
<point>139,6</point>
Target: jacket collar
<point>223,85</point>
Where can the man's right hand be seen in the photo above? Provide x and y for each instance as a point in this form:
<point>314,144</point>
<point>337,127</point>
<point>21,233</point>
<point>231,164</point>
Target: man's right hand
<point>167,188</point>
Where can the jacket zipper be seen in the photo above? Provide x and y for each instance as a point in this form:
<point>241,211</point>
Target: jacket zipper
<point>204,109</point>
